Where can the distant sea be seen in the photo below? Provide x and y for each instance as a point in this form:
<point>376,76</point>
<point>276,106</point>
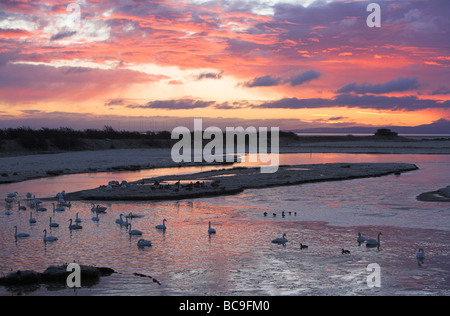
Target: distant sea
<point>371,134</point>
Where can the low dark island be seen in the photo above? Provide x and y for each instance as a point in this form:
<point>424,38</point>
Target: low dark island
<point>234,181</point>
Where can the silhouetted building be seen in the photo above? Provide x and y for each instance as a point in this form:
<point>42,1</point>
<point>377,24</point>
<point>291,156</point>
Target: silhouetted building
<point>385,132</point>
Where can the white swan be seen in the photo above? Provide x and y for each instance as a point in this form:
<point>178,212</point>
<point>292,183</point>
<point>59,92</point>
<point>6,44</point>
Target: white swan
<point>144,243</point>
<point>211,230</point>
<point>21,207</point>
<point>77,219</point>
<point>53,224</point>
<point>281,240</point>
<point>134,232</point>
<point>32,220</point>
<point>7,213</point>
<point>41,209</point>
<point>120,221</point>
<point>374,243</point>
<point>12,195</point>
<point>9,200</point>
<point>96,218</point>
<point>20,235</point>
<point>361,239</point>
<point>131,215</point>
<point>98,208</point>
<point>163,226</point>
<point>74,226</point>
<point>29,195</point>
<point>58,209</point>
<point>49,238</point>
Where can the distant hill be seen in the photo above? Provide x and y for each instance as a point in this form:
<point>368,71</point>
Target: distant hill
<point>441,126</point>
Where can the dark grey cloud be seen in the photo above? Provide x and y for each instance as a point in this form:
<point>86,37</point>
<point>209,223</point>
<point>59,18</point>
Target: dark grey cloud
<point>62,35</point>
<point>303,78</point>
<point>396,85</point>
<point>406,103</point>
<point>265,81</point>
<point>113,102</point>
<point>210,75</point>
<point>441,91</point>
<point>179,104</point>
<point>270,81</point>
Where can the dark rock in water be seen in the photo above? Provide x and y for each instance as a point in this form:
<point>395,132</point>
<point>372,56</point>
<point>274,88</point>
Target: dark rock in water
<point>105,271</point>
<point>21,278</point>
<point>54,274</point>
<point>60,273</point>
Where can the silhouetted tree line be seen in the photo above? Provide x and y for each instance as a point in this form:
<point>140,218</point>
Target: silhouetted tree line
<point>67,138</point>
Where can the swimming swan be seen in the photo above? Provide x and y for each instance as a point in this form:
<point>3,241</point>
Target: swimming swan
<point>281,240</point>
<point>374,243</point>
<point>144,243</point>
<point>32,220</point>
<point>49,238</point>
<point>53,224</point>
<point>361,239</point>
<point>163,226</point>
<point>134,232</point>
<point>20,235</point>
<point>211,230</point>
<point>74,226</point>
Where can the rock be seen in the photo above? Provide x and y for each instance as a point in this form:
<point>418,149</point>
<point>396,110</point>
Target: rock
<point>21,278</point>
<point>54,274</point>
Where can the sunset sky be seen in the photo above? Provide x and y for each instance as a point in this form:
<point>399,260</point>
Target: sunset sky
<point>151,65</point>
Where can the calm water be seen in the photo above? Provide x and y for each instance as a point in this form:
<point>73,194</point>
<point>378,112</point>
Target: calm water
<point>240,259</point>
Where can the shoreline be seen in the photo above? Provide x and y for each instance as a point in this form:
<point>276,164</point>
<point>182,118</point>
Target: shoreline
<point>235,181</point>
<point>14,169</point>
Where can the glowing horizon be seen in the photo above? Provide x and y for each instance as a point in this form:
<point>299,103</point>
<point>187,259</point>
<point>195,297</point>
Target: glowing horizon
<point>299,64</point>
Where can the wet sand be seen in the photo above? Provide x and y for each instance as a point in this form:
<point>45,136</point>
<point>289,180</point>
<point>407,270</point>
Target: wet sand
<point>234,181</point>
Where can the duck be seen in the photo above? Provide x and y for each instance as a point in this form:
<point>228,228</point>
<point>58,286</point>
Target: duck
<point>345,252</point>
<point>302,246</point>
<point>421,255</point>
<point>281,240</point>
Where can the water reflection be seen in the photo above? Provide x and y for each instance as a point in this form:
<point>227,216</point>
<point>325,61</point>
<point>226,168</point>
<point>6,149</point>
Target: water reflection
<point>240,258</point>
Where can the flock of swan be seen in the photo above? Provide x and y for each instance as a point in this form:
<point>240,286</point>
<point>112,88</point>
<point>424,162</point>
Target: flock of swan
<point>75,224</point>
<point>370,243</point>
<point>97,209</point>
